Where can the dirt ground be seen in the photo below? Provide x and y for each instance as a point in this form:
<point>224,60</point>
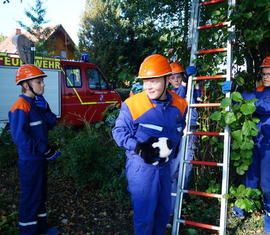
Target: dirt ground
<point>86,212</point>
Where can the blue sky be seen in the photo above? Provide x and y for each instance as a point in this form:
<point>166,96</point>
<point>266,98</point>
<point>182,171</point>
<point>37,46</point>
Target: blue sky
<point>65,12</point>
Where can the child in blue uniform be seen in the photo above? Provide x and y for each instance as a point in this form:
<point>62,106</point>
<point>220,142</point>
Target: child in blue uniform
<point>258,174</point>
<point>30,119</point>
<point>178,80</point>
<point>145,119</point>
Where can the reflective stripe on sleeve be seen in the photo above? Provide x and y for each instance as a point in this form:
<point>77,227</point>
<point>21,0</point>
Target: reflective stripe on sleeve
<point>42,215</point>
<point>151,126</point>
<point>35,123</point>
<point>28,223</point>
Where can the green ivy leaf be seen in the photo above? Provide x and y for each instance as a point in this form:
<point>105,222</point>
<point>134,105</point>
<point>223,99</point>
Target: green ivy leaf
<point>247,144</point>
<point>226,102</point>
<point>256,120</point>
<point>248,108</point>
<point>235,156</point>
<point>236,145</point>
<point>230,118</point>
<point>240,171</point>
<point>236,96</point>
<point>246,129</point>
<point>236,107</point>
<point>246,154</point>
<point>237,135</point>
<point>216,116</point>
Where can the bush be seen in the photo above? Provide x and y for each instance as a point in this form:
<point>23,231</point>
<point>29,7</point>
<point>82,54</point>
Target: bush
<point>8,151</point>
<point>123,92</point>
<point>91,158</point>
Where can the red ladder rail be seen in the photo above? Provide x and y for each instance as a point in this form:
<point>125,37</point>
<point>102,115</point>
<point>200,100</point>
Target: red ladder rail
<point>204,163</point>
<point>204,105</point>
<point>210,77</point>
<point>208,51</point>
<point>213,25</point>
<point>201,225</point>
<point>206,133</point>
<point>204,194</point>
<point>212,2</point>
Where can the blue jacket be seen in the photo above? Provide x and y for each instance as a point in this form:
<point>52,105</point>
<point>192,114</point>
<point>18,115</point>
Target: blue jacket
<point>29,127</point>
<point>182,91</point>
<point>262,109</point>
<point>141,118</point>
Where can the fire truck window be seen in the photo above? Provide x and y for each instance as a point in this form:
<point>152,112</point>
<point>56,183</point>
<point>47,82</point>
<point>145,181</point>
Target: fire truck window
<point>96,80</point>
<point>73,77</point>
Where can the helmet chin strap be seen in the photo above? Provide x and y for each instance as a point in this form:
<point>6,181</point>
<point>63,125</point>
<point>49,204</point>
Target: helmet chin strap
<point>164,88</point>
<point>31,89</point>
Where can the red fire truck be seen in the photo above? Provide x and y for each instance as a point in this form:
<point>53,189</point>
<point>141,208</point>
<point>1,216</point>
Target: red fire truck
<point>77,91</point>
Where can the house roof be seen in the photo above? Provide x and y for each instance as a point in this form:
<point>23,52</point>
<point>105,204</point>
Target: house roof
<point>8,46</point>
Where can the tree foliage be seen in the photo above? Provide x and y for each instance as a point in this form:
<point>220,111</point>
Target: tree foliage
<point>37,15</point>
<point>120,34</point>
<point>252,21</point>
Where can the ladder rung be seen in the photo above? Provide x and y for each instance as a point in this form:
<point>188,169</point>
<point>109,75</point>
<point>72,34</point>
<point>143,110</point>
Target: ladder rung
<point>206,133</point>
<point>209,77</point>
<point>202,193</point>
<point>204,105</point>
<point>204,163</point>
<point>201,225</point>
<point>211,51</point>
<point>213,25</point>
<point>212,2</point>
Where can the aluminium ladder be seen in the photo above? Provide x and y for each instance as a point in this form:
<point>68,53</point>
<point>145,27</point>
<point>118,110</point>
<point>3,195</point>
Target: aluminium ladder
<point>193,41</point>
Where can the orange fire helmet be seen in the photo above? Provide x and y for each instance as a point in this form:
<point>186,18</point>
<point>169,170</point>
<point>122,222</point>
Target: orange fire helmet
<point>177,68</point>
<point>154,66</point>
<point>266,62</point>
<point>27,72</point>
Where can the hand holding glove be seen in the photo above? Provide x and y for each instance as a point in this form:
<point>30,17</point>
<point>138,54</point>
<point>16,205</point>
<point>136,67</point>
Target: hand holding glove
<point>41,102</point>
<point>155,150</point>
<point>51,154</point>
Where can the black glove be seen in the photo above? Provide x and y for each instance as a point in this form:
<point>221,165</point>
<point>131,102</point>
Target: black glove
<point>51,153</point>
<point>155,150</point>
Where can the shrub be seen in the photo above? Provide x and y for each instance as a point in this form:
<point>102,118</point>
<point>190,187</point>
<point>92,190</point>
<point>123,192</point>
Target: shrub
<point>8,151</point>
<point>91,158</point>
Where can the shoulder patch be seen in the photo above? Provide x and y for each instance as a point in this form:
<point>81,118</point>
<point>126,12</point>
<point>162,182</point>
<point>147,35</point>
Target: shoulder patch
<point>178,102</point>
<point>139,104</point>
<point>260,88</point>
<point>22,104</point>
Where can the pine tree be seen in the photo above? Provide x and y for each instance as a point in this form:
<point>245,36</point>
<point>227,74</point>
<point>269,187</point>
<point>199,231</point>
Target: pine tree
<point>36,29</point>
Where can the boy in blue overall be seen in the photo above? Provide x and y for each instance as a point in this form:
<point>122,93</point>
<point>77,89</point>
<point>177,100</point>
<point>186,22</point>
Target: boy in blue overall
<point>30,119</point>
<point>144,120</point>
<point>178,80</point>
<point>258,174</point>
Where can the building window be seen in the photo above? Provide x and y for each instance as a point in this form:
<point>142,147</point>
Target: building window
<point>63,54</point>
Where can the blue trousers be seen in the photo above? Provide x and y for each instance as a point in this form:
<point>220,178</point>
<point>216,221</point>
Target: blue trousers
<point>33,186</point>
<point>192,147</point>
<point>150,191</point>
<point>258,175</point>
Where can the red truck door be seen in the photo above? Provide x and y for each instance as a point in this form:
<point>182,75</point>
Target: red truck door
<point>73,89</point>
<point>98,93</point>
<point>86,94</point>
